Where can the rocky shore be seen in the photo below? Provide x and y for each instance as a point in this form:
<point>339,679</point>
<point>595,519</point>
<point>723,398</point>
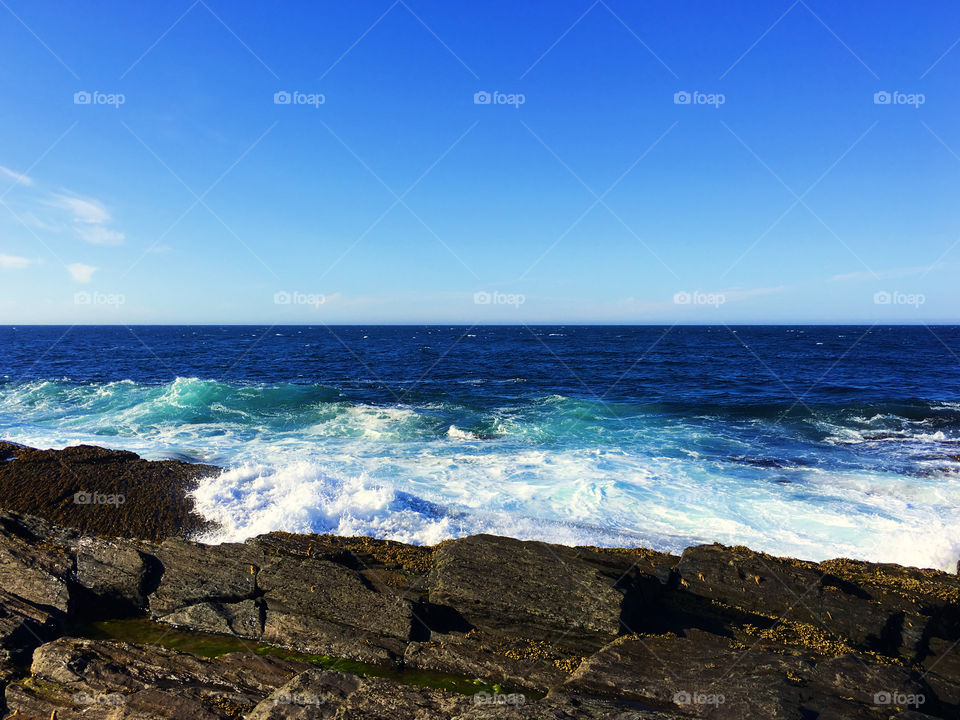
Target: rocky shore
<point>109,622</point>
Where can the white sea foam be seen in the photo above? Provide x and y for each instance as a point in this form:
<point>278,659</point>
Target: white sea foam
<point>303,460</point>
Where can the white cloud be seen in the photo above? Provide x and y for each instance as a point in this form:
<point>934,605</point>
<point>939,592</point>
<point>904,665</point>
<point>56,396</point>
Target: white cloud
<point>18,177</point>
<point>81,273</point>
<point>13,262</point>
<point>90,219</point>
<point>100,235</point>
<point>91,212</point>
<point>65,211</point>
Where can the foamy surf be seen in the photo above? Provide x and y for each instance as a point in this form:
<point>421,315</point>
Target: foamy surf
<point>878,482</point>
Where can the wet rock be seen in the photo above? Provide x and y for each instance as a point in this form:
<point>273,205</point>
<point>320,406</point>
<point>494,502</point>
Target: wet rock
<point>569,596</point>
<point>71,487</point>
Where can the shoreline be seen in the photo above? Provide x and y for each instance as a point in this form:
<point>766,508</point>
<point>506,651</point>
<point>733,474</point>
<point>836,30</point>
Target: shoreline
<point>157,500</point>
<point>476,627</point>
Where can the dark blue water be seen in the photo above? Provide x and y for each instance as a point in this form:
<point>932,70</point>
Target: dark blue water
<point>812,441</point>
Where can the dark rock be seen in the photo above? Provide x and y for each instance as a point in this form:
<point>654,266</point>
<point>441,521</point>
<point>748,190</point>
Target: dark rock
<point>610,633</point>
<point>88,678</point>
<point>318,588</point>
<point>36,561</point>
<point>877,607</point>
<point>194,573</point>
<point>283,598</point>
<point>518,664</point>
<point>320,606</point>
<point>561,707</point>
<point>156,501</point>
<point>23,626</point>
<point>117,571</point>
<point>569,596</point>
<point>319,694</point>
<point>710,676</point>
<point>697,674</point>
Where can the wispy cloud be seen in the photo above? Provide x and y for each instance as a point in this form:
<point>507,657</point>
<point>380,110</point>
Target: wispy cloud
<point>64,211</point>
<point>15,176</point>
<point>81,273</point>
<point>86,211</point>
<point>13,262</point>
<point>100,235</point>
<point>889,274</point>
<point>734,294</point>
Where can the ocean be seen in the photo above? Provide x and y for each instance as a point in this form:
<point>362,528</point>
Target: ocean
<point>809,441</point>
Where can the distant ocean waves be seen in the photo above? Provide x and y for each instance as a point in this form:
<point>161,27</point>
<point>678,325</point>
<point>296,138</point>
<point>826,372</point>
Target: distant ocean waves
<point>874,480</point>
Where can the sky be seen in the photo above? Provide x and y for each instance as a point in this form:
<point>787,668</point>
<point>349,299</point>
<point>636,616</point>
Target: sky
<point>499,162</point>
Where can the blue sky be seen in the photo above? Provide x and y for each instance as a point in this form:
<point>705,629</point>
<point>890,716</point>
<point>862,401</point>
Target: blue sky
<point>587,191</point>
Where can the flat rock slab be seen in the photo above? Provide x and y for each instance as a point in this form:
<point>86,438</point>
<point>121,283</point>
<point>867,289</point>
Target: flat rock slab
<point>36,561</point>
<point>550,592</point>
<point>97,679</point>
<point>706,675</point>
<point>118,571</point>
<point>877,607</point>
<point>515,665</point>
<point>288,599</point>
<point>156,494</point>
<point>196,573</point>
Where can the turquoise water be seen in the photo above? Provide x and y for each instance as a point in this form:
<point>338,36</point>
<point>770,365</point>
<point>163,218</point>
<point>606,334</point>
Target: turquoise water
<point>784,439</point>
